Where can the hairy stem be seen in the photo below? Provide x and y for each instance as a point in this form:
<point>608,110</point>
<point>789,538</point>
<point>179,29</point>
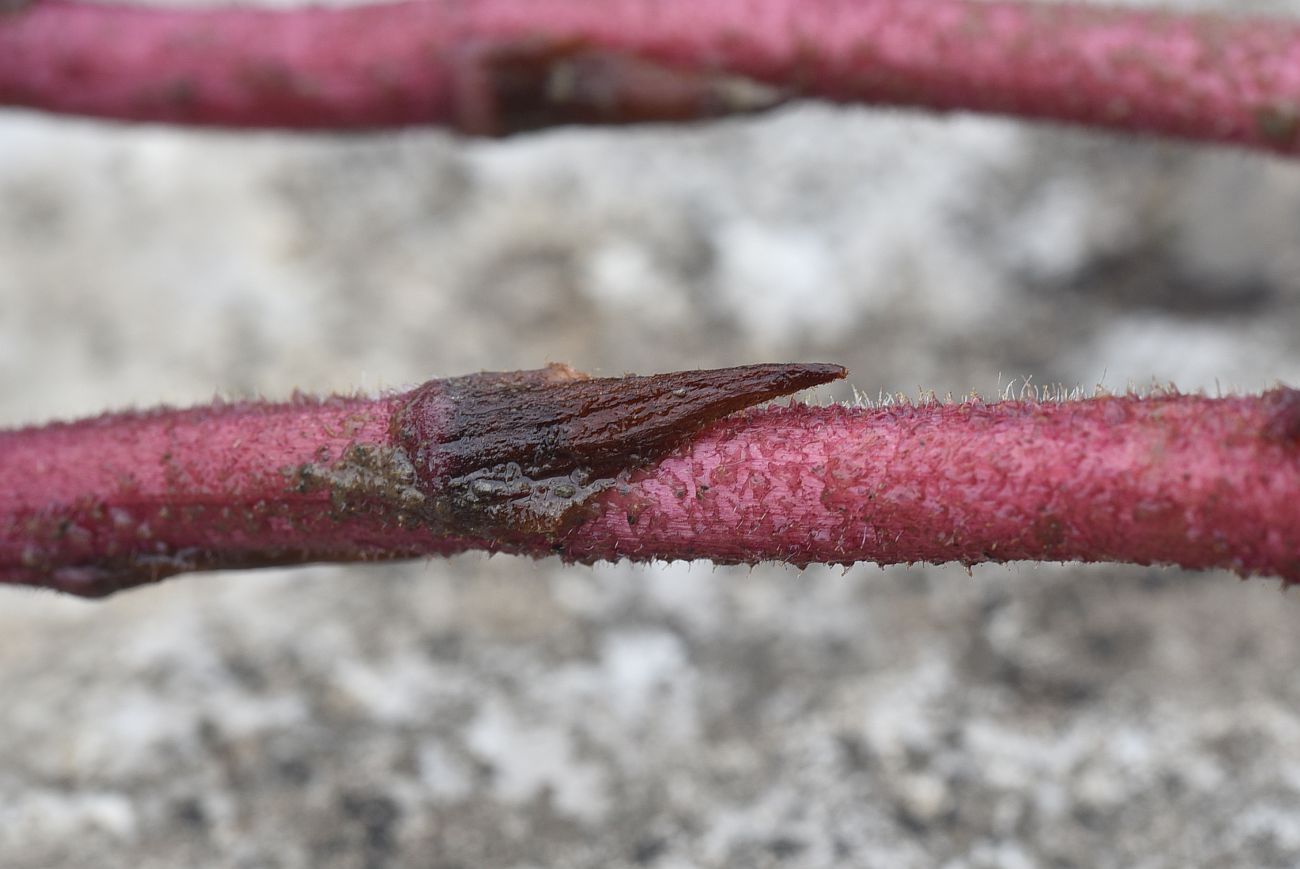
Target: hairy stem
<point>495,460</point>
<point>551,462</point>
<point>1170,479</point>
<point>498,66</point>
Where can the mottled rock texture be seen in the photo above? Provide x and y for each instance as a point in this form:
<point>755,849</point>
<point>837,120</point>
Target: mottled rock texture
<point>506,713</point>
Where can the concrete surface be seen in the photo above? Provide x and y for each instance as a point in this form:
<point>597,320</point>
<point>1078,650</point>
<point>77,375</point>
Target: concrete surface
<point>505,713</point>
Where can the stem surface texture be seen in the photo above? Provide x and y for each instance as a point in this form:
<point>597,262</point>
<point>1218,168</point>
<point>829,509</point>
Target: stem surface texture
<point>660,467</point>
<point>500,66</point>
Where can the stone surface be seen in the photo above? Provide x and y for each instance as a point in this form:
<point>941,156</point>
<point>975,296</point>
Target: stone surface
<point>505,713</point>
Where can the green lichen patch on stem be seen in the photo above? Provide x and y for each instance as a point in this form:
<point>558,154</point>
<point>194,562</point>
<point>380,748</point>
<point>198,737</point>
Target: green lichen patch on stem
<point>509,503</point>
<point>367,479</point>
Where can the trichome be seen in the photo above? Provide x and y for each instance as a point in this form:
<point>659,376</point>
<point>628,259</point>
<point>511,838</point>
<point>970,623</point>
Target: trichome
<point>671,466</point>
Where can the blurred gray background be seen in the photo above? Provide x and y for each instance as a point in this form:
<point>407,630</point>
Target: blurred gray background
<point>510,713</point>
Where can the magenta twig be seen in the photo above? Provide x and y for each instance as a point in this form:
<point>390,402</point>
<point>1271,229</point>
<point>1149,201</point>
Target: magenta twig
<point>496,66</point>
<point>498,461</point>
<point>645,468</point>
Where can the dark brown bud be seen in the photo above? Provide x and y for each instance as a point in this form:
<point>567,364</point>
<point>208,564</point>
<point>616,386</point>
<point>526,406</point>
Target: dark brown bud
<point>1283,421</point>
<point>538,83</point>
<point>520,451</point>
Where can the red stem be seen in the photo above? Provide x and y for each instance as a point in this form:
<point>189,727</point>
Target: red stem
<point>540,463</point>
<point>495,66</point>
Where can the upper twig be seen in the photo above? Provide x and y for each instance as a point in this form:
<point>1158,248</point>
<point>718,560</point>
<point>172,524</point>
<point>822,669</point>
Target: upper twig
<point>499,66</point>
